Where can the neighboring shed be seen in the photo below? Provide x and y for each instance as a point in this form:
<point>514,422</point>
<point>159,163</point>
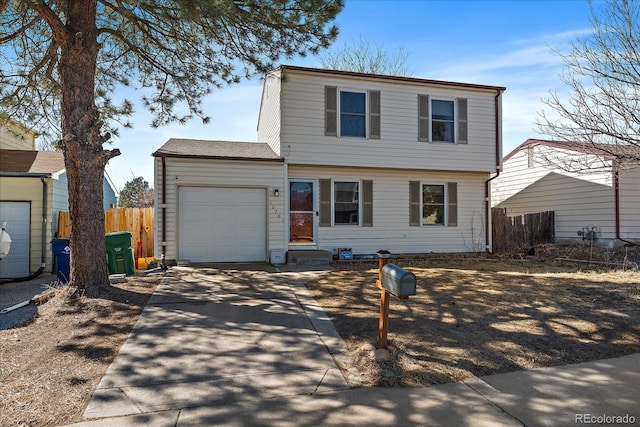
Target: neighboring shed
<point>33,189</point>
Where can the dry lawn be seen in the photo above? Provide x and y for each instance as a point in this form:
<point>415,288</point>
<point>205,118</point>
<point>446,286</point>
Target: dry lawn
<point>50,368</point>
<point>474,318</point>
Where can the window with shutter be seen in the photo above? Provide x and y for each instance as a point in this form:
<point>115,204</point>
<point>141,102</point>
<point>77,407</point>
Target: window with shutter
<point>414,203</point>
<point>367,203</point>
<point>330,111</point>
<point>423,118</point>
<point>324,219</point>
<point>433,204</point>
<point>452,204</point>
<point>462,121</point>
<point>374,114</point>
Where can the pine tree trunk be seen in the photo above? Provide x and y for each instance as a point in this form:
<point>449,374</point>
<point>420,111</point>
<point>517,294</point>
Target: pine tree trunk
<point>83,154</point>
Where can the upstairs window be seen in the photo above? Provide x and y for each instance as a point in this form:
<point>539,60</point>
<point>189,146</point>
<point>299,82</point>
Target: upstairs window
<point>353,114</point>
<point>442,121</point>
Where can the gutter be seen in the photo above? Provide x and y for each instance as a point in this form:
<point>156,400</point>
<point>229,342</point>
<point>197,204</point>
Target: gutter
<point>616,192</point>
<point>487,183</point>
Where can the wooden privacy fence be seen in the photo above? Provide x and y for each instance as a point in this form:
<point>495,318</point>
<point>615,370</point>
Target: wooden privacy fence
<point>521,231</point>
<point>138,221</point>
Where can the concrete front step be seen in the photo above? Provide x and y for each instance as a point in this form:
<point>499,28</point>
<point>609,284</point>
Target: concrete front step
<point>310,257</point>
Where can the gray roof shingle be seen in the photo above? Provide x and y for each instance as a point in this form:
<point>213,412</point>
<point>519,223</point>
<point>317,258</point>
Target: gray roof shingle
<point>233,150</point>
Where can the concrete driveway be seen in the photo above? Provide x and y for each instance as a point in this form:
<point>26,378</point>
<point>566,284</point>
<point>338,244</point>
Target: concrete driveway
<point>229,338</point>
<point>248,346</point>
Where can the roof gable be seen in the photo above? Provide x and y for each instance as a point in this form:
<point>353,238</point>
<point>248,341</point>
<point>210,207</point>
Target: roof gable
<point>606,151</point>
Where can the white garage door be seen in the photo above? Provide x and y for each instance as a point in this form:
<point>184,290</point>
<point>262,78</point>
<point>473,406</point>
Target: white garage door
<point>222,224</point>
<point>18,216</point>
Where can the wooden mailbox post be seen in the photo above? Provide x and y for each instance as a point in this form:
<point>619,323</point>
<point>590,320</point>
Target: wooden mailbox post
<point>399,276</point>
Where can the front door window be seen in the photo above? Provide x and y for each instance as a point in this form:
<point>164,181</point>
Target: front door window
<point>301,212</point>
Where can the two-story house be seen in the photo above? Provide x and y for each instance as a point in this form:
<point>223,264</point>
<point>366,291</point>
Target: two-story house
<point>344,160</point>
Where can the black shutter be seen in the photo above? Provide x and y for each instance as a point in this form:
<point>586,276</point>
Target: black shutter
<point>325,203</point>
<point>414,203</point>
<point>463,137</point>
<point>330,110</point>
<point>423,118</point>
<point>452,195</point>
<point>367,203</point>
<point>374,114</point>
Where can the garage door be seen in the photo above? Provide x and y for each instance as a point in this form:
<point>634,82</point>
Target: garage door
<point>18,216</point>
<point>222,224</point>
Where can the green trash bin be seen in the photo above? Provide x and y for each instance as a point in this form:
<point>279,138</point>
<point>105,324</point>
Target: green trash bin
<point>119,253</point>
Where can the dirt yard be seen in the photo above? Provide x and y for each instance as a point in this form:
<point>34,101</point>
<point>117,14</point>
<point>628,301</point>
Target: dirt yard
<point>50,367</point>
<point>474,318</point>
<point>470,318</point>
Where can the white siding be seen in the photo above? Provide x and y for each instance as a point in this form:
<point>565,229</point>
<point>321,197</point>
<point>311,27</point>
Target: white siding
<point>303,127</point>
<point>269,119</point>
<point>559,181</point>
<point>391,228</point>
<point>218,173</point>
<point>576,203</point>
<point>14,137</point>
<point>517,175</point>
<point>629,184</point>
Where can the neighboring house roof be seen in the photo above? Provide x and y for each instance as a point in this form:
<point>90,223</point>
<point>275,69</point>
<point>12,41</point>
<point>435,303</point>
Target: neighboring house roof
<point>229,150</point>
<point>406,79</point>
<point>31,162</point>
<point>607,151</point>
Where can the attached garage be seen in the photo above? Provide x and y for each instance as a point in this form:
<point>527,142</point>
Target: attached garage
<point>222,224</point>
<point>219,201</point>
<point>18,217</point>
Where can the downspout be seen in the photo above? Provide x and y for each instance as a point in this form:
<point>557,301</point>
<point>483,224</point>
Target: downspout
<point>163,257</point>
<point>616,192</point>
<point>487,184</point>
<point>43,241</point>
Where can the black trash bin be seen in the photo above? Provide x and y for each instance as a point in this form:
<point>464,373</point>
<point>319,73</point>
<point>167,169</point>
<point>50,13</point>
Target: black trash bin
<point>62,252</point>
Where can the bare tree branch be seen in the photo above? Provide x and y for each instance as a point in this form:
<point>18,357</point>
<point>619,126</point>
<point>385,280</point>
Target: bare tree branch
<point>602,74</point>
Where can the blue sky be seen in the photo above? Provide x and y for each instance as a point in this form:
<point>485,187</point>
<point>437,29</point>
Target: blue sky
<point>501,43</point>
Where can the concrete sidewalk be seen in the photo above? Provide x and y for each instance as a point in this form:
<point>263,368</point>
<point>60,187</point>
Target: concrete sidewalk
<point>251,347</point>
